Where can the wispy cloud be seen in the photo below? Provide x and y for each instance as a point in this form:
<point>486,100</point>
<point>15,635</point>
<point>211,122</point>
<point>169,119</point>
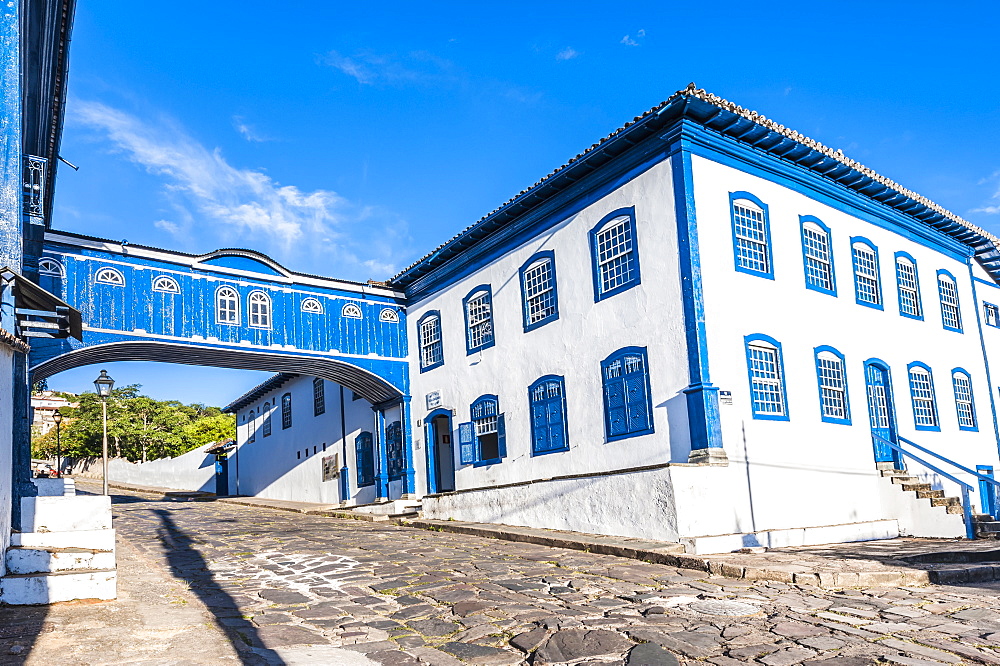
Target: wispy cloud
<point>218,202</point>
<point>248,132</point>
<point>989,210</point>
<point>627,40</point>
<point>567,53</point>
<point>370,69</point>
<point>992,180</point>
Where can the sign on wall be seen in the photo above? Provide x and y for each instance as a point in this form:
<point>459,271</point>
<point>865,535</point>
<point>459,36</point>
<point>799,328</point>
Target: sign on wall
<point>433,400</point>
<point>331,467</point>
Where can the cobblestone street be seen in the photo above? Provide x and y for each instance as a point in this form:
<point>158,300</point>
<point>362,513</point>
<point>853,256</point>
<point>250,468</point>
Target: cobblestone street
<point>276,582</point>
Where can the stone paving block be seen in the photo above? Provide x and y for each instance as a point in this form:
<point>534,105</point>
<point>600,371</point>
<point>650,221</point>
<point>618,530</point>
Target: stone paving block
<point>822,642</point>
<point>921,651</point>
<point>572,644</point>
<point>529,640</point>
<point>788,656</point>
<point>434,657</point>
<point>373,646</point>
<point>649,654</point>
<point>751,652</point>
<point>481,654</point>
<point>797,630</point>
<point>966,651</point>
<point>393,658</point>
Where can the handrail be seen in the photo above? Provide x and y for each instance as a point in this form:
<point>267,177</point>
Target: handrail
<point>979,476</point>
<point>923,462</point>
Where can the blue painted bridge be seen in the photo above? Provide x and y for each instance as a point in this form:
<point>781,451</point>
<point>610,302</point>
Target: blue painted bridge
<point>229,308</point>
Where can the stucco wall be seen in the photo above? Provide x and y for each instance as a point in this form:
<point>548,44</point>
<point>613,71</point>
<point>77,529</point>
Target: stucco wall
<point>194,470</point>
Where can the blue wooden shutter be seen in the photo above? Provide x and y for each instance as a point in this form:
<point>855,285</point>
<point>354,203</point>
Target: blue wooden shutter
<point>635,395</point>
<point>614,396</point>
<point>539,422</point>
<point>467,443</point>
<point>556,423</point>
<point>501,436</point>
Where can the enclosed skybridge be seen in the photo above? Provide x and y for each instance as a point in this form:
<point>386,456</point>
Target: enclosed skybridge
<point>229,308</point>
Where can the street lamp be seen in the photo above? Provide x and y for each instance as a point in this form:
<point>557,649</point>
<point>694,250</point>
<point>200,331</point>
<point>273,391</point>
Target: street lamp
<point>57,418</point>
<point>104,384</point>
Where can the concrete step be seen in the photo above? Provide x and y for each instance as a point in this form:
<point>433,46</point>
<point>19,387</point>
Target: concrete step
<point>90,539</point>
<point>929,494</point>
<point>903,479</point>
<point>47,560</point>
<point>916,487</point>
<point>887,467</point>
<point>66,514</point>
<point>945,501</point>
<point>954,508</point>
<point>991,526</point>
<point>47,588</point>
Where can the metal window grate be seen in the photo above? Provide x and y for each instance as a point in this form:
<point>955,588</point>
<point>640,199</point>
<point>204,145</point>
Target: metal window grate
<point>479,313</point>
<point>33,189</point>
<point>832,386</point>
<point>616,254</point>
<point>909,293</point>
<point>963,400</point>
<point>431,352</point>
<point>866,274</point>
<point>539,291</point>
<point>816,248</point>
<point>750,225</point>
<point>951,316</point>
<point>765,381</point>
<point>922,396</point>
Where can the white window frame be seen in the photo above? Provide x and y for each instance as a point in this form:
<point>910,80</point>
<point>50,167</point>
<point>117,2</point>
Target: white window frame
<point>230,305</point>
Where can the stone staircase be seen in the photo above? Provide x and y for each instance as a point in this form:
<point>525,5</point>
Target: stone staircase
<point>66,552</point>
<point>986,527</point>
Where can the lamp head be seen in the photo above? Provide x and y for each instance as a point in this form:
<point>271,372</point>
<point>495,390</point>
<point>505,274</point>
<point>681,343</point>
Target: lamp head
<point>104,384</point>
<point>57,417</point>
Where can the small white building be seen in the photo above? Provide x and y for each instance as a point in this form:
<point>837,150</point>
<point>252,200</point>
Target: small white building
<point>43,405</point>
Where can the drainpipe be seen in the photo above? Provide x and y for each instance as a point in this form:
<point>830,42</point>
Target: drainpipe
<point>344,481</point>
<point>382,475</point>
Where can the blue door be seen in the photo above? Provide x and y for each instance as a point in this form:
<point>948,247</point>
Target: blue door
<point>881,412</point>
<point>987,492</point>
<point>221,476</point>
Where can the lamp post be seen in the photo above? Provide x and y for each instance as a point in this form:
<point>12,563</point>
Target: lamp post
<point>57,418</point>
<point>104,384</point>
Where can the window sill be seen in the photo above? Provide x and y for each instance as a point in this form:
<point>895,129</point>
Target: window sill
<point>485,463</point>
<point>629,435</point>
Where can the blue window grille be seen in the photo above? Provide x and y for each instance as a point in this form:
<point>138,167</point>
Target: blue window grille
<point>547,398</point>
<point>227,306</point>
<point>478,306</point>
<point>539,298</point>
<point>964,402</point>
<point>751,235</point>
<point>394,450</point>
<point>925,413</point>
<point>951,314</point>
<point>319,397</point>
<point>817,255</point>
<point>831,375</point>
<point>867,283</point>
<point>364,448</point>
<point>429,335</point>
<point>628,409</point>
<point>266,425</point>
<point>766,371</point>
<point>991,315</point>
<point>614,254</point>
<point>908,286</point>
<point>490,445</point>
<point>286,411</point>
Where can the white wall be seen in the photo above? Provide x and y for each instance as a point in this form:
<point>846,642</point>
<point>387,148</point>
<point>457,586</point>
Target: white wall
<point>6,432</point>
<point>194,470</point>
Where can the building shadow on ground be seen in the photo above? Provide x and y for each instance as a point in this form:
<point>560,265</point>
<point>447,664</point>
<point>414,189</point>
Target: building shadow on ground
<point>20,627</point>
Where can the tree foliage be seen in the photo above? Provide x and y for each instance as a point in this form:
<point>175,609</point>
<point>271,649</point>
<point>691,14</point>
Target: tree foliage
<point>139,427</point>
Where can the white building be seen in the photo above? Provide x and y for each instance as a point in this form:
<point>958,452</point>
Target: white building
<point>43,406</point>
<point>707,329</point>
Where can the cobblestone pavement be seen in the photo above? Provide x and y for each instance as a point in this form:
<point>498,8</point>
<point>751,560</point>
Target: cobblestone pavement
<point>398,595</point>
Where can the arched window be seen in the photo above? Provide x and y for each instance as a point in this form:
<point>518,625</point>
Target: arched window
<point>867,284</point>
<point>286,411</point>
<point>266,426</point>
<point>751,235</point>
<point>351,311</point>
<point>394,450</point>
<point>319,397</point>
<point>964,402</point>
<point>260,309</point>
<point>925,414</point>
<point>364,450</point>
<point>614,254</point>
<point>547,398</point>
<point>227,306</point>
<point>478,306</point>
<point>166,284</point>
<point>908,286</point>
<point>110,276</point>
<point>312,305</point>
<point>47,266</point>
<point>628,410</point>
<point>390,315</point>
<point>951,315</point>
<point>483,441</point>
<point>540,302</point>
<point>429,332</point>
<point>252,422</point>
<point>767,378</point>
<point>831,375</point>
<point>817,255</point>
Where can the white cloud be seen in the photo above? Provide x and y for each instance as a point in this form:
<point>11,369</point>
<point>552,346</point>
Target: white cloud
<point>628,41</point>
<point>417,67</point>
<point>248,132</point>
<point>218,202</point>
<point>989,210</point>
<point>567,53</point>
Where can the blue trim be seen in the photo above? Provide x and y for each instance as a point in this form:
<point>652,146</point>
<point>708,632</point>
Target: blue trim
<point>958,301</point>
<point>879,449</point>
<point>286,411</point>
<point>937,412</point>
<point>478,460</point>
<point>364,445</point>
<point>465,311</point>
<point>769,273</point>
<point>430,437</point>
<point>624,351</point>
<point>531,414</point>
<point>764,416</point>
<point>551,256</point>
<point>986,359</point>
<point>803,220</point>
<point>381,450</point>
<point>878,274</point>
<point>972,400</point>
<point>986,282</point>
<point>594,260</point>
<point>420,350</point>
<point>847,398</point>
<point>995,309</point>
<point>704,423</point>
<point>916,280</point>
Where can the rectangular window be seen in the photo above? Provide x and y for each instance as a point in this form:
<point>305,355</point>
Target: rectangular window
<point>751,237</point>
<point>767,385</point>
<point>286,411</point>
<point>614,256</point>
<point>817,257</point>
<point>951,316</point>
<point>488,423</point>
<point>548,415</point>
<point>319,397</point>
<point>266,427</point>
<point>922,395</point>
<point>963,401</point>
<point>364,451</point>
<point>832,387</point>
<point>479,320</point>
<point>991,315</point>
<point>627,407</point>
<point>431,351</point>
<point>394,450</point>
<point>908,288</point>
<point>538,286</point>
<point>866,283</point>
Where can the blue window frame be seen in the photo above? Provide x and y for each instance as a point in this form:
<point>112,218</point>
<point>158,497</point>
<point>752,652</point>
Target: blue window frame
<point>831,376</point>
<point>547,399</point>
<point>925,412</point>
<point>614,254</point>
<point>751,235</point>
<point>364,448</point>
<point>766,370</point>
<point>628,408</point>
<point>908,286</point>
<point>266,426</point>
<point>286,411</point>
<point>252,422</point>
<point>867,279</point>
<point>430,341</point>
<point>965,404</point>
<point>319,397</point>
<point>991,315</point>
<point>478,307</point>
<point>817,255</point>
<point>394,450</point>
<point>489,432</point>
<point>951,312</point>
<point>539,295</point>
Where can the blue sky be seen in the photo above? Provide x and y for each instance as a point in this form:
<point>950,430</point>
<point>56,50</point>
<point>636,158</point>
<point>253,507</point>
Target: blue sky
<point>348,141</point>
